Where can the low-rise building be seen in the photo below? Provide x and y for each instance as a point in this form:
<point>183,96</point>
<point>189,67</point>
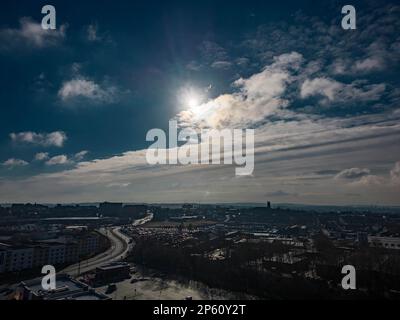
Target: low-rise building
<point>384,242</point>
<point>112,272</point>
<point>66,289</point>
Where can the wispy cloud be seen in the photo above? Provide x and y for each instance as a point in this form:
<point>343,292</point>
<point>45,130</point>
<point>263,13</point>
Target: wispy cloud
<point>30,34</point>
<point>223,65</point>
<point>58,160</point>
<point>15,163</point>
<point>335,91</point>
<point>92,33</point>
<point>119,184</point>
<point>41,156</point>
<point>353,173</point>
<point>80,155</point>
<point>81,88</point>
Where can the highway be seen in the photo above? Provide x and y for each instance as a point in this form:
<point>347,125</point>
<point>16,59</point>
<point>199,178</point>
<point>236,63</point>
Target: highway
<point>118,250</point>
<point>120,246</point>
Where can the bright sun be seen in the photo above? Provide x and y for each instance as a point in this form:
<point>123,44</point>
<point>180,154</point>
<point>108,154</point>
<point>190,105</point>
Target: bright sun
<point>192,102</point>
<point>191,99</point>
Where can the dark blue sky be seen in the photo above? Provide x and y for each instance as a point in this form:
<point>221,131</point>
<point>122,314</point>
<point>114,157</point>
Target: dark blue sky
<point>115,69</point>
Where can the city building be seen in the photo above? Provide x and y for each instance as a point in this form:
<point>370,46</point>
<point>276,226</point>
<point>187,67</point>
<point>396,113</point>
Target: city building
<point>3,254</point>
<point>41,255</point>
<point>18,258</point>
<point>384,242</point>
<point>112,272</point>
<point>71,252</point>
<point>56,254</point>
<point>66,289</point>
<point>88,245</point>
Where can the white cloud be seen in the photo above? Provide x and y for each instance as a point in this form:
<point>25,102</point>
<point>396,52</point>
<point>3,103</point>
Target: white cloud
<point>80,155</point>
<point>58,160</point>
<point>259,96</point>
<point>395,173</point>
<point>41,156</point>
<point>369,64</point>
<point>364,66</point>
<point>320,86</point>
<point>340,66</point>
<point>363,178</point>
<point>287,150</point>
<point>353,173</point>
<point>88,89</point>
<point>334,91</point>
<point>15,163</point>
<point>118,184</point>
<point>30,33</point>
<point>287,155</point>
<point>53,139</point>
<point>369,181</point>
<point>223,65</point>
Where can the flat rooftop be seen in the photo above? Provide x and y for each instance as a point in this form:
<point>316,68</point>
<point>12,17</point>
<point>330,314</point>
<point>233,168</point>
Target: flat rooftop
<point>64,285</point>
<point>115,265</point>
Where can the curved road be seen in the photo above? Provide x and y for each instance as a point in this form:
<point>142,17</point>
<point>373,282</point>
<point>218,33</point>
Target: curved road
<point>118,250</point>
<point>120,246</point>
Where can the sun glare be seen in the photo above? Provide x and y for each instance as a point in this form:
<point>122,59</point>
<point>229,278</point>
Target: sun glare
<point>192,102</point>
<point>190,98</point>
